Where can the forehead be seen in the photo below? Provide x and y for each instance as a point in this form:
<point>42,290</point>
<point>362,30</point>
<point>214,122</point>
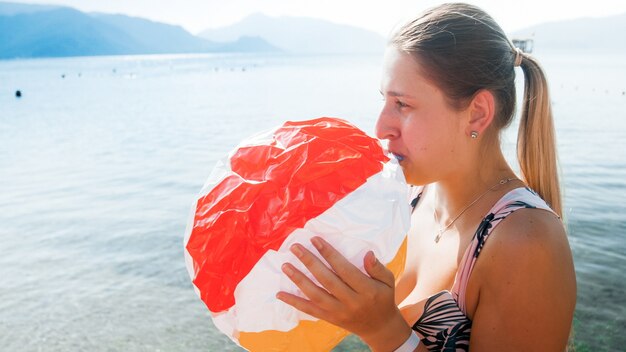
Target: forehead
<point>402,73</point>
<point>396,60</point>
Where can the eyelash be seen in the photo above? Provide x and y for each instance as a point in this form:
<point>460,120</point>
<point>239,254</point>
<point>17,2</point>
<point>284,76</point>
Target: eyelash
<point>400,104</point>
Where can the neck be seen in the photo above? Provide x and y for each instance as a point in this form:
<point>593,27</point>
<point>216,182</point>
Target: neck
<point>456,192</point>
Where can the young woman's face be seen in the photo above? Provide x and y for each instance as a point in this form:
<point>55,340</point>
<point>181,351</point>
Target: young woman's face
<point>422,129</point>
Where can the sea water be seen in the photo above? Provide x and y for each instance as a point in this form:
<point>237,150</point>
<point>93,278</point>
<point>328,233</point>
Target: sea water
<point>101,158</point>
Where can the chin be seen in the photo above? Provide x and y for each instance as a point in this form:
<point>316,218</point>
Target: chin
<point>414,179</point>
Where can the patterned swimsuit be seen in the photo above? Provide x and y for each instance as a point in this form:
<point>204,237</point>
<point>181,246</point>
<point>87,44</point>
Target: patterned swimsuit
<point>444,325</point>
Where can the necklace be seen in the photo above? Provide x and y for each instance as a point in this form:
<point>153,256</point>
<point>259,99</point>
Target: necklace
<point>445,228</point>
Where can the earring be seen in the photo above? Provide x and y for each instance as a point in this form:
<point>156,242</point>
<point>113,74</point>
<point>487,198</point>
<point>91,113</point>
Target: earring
<point>474,134</point>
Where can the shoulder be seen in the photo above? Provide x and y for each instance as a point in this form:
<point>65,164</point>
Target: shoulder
<point>530,224</point>
<point>527,239</point>
<point>525,279</point>
<point>528,233</point>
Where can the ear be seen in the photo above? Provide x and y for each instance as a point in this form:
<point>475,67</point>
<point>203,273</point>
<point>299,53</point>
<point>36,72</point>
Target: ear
<point>481,112</point>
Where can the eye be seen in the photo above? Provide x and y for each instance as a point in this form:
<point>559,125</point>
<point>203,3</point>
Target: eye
<point>400,104</point>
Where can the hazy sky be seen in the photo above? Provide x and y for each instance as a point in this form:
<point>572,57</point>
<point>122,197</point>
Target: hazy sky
<point>379,16</point>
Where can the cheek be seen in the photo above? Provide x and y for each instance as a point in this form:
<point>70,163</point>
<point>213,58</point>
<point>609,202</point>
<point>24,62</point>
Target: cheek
<point>431,150</point>
<point>421,140</point>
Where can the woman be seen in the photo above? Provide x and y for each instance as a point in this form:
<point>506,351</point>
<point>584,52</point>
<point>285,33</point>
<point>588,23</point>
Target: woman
<point>488,266</point>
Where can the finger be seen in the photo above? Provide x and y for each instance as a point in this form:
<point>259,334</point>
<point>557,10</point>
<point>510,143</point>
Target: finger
<point>314,293</point>
<point>331,282</point>
<point>347,271</point>
<point>377,270</point>
<point>301,304</point>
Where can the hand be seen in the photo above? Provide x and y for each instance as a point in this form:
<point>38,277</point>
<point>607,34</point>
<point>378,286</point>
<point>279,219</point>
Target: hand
<point>361,304</point>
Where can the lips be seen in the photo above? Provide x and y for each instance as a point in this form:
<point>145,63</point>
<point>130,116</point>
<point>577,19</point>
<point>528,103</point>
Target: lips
<point>398,157</point>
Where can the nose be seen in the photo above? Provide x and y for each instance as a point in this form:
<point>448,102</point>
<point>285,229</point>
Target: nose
<point>385,126</point>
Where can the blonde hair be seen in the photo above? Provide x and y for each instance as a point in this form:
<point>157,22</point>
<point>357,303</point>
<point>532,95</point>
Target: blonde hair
<point>463,50</point>
<point>536,140</point>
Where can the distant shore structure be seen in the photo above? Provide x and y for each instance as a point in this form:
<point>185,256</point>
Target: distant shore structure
<point>525,45</point>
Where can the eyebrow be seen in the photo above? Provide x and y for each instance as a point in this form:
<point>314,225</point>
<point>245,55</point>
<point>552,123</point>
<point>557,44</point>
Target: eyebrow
<point>395,94</point>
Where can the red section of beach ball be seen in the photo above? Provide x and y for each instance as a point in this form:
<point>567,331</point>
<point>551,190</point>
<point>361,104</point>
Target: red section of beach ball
<point>274,189</point>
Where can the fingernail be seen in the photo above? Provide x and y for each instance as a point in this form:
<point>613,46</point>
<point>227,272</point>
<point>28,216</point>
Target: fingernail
<point>373,259</point>
<point>295,249</point>
<point>287,269</point>
<point>317,243</point>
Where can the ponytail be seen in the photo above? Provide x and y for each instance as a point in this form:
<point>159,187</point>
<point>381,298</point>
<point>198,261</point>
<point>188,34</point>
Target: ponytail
<point>536,141</point>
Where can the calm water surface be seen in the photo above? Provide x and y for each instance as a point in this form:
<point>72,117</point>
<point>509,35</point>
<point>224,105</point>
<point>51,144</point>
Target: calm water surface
<point>101,158</point>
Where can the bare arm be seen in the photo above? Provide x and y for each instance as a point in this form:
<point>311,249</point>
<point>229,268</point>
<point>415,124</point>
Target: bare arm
<point>527,286</point>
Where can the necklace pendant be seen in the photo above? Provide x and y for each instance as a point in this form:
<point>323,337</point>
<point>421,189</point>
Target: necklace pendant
<point>438,237</point>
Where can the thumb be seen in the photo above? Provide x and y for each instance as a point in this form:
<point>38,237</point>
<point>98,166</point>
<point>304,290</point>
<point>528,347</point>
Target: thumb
<point>377,270</point>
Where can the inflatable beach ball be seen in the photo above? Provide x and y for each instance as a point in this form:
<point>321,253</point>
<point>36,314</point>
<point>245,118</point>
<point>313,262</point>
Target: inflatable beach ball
<point>322,177</point>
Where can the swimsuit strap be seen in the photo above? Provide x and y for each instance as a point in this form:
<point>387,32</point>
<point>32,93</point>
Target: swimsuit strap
<point>519,198</point>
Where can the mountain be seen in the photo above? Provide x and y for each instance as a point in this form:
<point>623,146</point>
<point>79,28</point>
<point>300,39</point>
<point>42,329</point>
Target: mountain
<point>301,35</point>
<point>55,31</point>
<point>583,35</point>
<point>155,37</point>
